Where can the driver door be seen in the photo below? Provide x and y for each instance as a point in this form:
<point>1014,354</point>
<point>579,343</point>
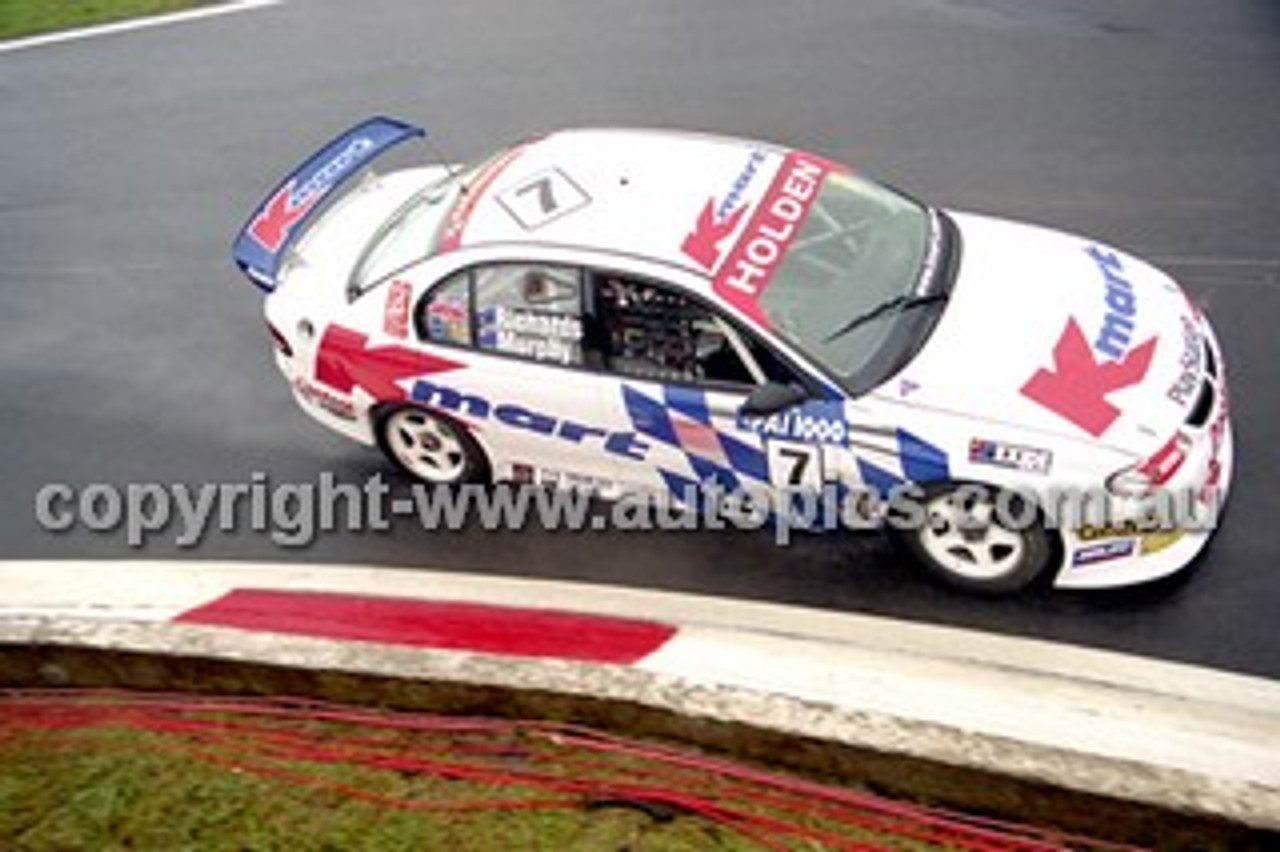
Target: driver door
<point>683,372</point>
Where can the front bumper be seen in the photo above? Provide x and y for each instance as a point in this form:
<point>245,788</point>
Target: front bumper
<point>1122,554</point>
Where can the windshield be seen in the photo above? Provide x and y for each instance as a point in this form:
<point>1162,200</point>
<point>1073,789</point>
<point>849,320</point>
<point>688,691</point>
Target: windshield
<point>411,233</point>
<point>864,256</point>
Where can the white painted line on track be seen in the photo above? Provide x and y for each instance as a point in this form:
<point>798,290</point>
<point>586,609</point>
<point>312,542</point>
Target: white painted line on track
<point>134,24</point>
<point>1210,260</point>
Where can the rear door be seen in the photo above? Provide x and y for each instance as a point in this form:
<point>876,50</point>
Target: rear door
<point>526,393</point>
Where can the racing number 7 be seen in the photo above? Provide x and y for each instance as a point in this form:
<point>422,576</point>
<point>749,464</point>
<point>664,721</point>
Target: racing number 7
<point>543,198</point>
<point>799,461</point>
<point>546,198</point>
<point>794,465</point>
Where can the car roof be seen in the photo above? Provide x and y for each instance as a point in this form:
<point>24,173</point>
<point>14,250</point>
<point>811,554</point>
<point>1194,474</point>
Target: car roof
<point>668,196</point>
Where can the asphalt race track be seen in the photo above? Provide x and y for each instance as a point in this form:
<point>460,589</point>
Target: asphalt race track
<point>133,352</point>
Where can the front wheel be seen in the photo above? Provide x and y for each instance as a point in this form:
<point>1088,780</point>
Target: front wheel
<point>430,447</point>
<point>981,540</point>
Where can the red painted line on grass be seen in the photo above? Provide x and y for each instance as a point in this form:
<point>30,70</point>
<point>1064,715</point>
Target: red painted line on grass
<point>436,624</point>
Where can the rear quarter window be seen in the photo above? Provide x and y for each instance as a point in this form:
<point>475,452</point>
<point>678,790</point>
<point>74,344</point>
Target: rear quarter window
<point>530,310</point>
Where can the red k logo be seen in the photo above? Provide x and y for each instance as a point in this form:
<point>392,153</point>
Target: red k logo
<point>271,227</point>
<point>1077,386</point>
<point>345,360</point>
<point>702,244</point>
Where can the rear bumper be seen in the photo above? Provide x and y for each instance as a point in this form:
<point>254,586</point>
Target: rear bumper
<point>340,413</point>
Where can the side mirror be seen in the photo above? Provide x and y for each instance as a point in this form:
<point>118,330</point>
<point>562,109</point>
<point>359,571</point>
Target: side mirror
<point>772,397</point>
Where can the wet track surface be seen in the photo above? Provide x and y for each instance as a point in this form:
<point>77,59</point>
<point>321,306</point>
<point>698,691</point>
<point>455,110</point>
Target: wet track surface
<point>133,352</point>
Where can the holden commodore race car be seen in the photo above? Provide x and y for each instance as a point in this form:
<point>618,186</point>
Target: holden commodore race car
<point>642,310</point>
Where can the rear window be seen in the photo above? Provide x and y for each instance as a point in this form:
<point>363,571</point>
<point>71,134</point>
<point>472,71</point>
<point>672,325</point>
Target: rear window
<point>413,232</point>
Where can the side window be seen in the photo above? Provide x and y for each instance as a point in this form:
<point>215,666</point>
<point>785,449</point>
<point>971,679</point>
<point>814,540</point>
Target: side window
<point>774,370</point>
<point>444,314</point>
<point>649,331</point>
<point>530,310</point>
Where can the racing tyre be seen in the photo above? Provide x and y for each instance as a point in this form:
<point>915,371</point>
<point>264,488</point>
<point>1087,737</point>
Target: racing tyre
<point>968,542</point>
<point>430,446</point>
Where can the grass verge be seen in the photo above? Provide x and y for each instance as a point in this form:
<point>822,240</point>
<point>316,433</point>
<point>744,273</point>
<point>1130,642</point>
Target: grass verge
<point>112,788</point>
<point>116,771</point>
<point>20,18</point>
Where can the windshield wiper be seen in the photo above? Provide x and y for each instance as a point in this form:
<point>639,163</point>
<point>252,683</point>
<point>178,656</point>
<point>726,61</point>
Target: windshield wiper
<point>901,303</point>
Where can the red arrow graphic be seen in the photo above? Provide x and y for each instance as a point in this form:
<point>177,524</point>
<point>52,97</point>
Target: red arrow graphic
<point>345,360</point>
<point>703,243</point>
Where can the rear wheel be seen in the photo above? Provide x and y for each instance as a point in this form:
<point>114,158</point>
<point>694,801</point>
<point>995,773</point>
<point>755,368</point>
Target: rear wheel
<point>430,446</point>
<point>981,540</point>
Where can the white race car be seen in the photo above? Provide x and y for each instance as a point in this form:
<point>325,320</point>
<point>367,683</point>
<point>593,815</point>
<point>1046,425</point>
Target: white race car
<point>653,310</point>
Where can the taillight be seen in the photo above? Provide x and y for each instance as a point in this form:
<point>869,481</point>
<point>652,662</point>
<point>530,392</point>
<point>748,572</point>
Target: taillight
<point>279,340</point>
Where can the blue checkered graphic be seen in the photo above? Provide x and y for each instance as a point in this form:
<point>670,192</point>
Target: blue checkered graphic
<point>648,416</point>
<point>688,401</point>
<point>682,420</point>
<point>918,461</point>
<point>921,461</point>
<point>877,478</point>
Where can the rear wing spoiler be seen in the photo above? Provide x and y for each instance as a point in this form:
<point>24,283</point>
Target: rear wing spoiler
<point>262,243</point>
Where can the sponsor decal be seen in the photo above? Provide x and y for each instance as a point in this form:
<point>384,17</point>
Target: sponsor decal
<point>271,227</point>
<point>345,361</point>
<point>1211,481</point>
<point>1012,456</point>
<point>533,334</point>
<point>477,407</point>
<point>906,387</point>
<point>528,473</point>
<point>755,256</point>
<point>1122,307</point>
<point>702,244</point>
<point>1103,551</point>
<point>335,405</point>
<point>1077,386</point>
<point>1165,462</point>
<point>820,422</point>
<point>1217,438</point>
<point>1183,390</point>
<point>448,321</point>
<point>571,480</point>
<point>1149,540</point>
<point>1128,529</point>
<point>456,222</point>
<point>1154,542</point>
<point>733,199</point>
<point>717,221</point>
<point>395,316</point>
